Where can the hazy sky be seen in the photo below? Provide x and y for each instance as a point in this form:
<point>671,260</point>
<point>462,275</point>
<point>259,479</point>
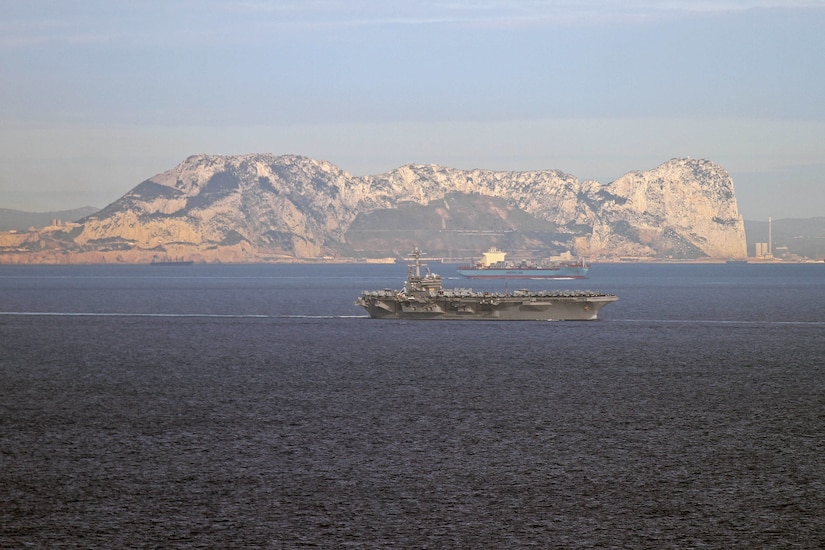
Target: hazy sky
<point>98,95</point>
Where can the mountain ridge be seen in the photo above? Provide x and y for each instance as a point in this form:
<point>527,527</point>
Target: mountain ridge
<point>265,207</point>
<point>19,220</point>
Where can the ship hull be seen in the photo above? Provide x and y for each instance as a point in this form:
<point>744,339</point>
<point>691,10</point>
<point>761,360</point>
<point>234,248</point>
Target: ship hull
<point>172,263</point>
<point>490,273</point>
<point>511,308</point>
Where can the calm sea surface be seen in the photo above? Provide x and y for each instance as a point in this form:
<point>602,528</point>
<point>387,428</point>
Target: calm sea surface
<point>256,406</point>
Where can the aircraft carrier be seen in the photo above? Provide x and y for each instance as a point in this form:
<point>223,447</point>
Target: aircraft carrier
<point>423,297</point>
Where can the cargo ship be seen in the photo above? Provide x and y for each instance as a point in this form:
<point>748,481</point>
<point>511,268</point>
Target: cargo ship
<point>166,261</point>
<point>493,265</point>
<point>424,297</point>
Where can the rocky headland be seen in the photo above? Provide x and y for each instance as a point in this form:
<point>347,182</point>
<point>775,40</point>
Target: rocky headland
<point>268,208</point>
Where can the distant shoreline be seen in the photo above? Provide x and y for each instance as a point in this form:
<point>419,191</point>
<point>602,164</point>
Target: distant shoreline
<point>10,259</point>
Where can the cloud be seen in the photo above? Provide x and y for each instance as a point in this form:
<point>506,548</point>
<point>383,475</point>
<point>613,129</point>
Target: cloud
<point>342,13</point>
<point>25,24</point>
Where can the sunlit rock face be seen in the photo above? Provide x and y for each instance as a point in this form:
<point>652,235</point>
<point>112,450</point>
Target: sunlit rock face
<point>683,208</point>
<point>259,207</point>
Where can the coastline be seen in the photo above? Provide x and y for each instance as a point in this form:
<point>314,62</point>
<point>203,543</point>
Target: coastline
<point>119,258</point>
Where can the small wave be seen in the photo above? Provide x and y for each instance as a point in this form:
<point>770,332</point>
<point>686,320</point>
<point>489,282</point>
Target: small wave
<point>121,314</point>
<point>321,316</point>
<point>189,315</point>
<point>715,322</point>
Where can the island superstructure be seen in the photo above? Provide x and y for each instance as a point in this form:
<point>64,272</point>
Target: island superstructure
<point>423,297</point>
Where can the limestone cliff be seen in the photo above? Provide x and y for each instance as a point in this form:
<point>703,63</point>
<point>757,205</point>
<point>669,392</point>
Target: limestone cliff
<point>683,208</point>
<point>249,208</point>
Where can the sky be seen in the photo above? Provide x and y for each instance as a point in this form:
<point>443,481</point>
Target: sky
<point>97,96</point>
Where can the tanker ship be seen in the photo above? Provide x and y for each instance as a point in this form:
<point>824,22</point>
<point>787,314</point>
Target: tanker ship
<point>423,297</point>
<point>493,265</point>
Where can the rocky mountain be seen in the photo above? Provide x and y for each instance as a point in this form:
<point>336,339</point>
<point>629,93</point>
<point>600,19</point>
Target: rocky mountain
<point>18,220</point>
<point>258,207</point>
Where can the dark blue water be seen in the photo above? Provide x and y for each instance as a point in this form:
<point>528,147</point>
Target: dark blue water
<point>255,406</point>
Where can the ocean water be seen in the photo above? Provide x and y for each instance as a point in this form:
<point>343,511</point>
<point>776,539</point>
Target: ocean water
<point>257,407</point>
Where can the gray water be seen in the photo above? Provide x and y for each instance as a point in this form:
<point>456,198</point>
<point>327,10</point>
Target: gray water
<point>255,406</point>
